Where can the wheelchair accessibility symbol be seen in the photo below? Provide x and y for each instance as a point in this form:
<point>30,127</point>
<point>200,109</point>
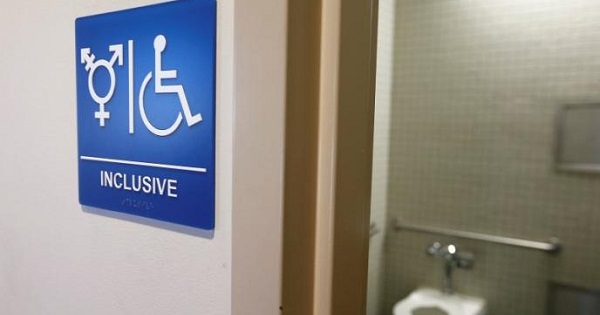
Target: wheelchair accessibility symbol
<point>159,74</point>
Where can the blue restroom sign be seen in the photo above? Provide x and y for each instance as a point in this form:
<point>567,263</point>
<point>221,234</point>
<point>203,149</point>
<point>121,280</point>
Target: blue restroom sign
<point>146,111</point>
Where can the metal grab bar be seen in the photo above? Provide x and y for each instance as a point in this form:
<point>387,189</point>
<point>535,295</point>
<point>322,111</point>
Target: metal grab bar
<point>552,245</point>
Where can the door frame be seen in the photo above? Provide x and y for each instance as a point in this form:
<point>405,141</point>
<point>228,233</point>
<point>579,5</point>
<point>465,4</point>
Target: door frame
<point>347,103</point>
<point>304,80</point>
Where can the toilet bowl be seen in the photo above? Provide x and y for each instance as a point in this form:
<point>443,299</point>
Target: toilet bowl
<point>430,301</point>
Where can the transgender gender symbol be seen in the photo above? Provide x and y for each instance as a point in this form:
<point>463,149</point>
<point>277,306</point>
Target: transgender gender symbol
<point>160,44</point>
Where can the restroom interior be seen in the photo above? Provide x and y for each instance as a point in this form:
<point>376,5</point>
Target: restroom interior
<point>467,98</point>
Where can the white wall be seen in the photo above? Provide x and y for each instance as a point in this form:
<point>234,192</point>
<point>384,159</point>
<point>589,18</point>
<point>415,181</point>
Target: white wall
<point>54,258</point>
<point>260,83</point>
<point>381,148</point>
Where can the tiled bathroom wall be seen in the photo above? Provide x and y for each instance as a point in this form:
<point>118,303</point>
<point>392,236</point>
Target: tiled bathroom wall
<point>476,89</point>
<point>381,145</point>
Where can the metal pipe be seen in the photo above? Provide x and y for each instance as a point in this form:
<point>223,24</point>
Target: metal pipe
<point>552,245</point>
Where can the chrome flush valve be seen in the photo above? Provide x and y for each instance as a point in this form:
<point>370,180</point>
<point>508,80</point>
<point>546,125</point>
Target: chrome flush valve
<point>452,259</point>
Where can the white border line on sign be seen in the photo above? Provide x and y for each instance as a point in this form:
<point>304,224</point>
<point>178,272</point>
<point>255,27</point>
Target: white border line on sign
<point>127,162</point>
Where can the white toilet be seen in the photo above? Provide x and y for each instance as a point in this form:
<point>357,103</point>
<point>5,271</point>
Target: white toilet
<point>447,304</point>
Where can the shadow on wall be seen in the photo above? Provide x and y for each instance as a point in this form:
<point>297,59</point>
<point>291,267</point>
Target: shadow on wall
<point>208,234</point>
